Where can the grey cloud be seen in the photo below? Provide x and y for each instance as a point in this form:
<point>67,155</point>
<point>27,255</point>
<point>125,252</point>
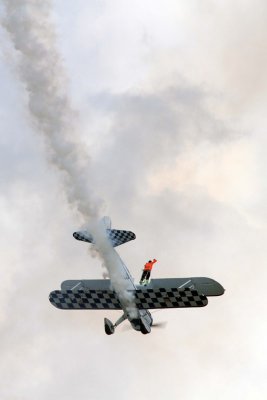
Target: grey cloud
<point>149,130</point>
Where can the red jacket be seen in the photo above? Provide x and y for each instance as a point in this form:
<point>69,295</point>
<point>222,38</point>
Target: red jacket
<point>149,265</point>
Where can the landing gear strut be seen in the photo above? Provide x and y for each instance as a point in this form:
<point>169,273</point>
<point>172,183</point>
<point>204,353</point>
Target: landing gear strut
<point>109,327</point>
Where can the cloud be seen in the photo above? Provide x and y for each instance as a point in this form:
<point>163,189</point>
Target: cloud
<point>149,132</point>
<point>172,171</point>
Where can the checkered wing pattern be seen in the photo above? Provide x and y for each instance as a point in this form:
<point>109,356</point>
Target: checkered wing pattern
<point>84,236</point>
<point>116,236</point>
<point>144,299</point>
<point>85,300</point>
<point>119,237</point>
<point>169,298</point>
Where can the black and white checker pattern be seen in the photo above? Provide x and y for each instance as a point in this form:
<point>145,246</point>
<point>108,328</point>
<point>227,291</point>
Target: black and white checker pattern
<point>117,237</point>
<point>85,300</point>
<point>169,298</point>
<point>144,299</point>
<point>84,236</point>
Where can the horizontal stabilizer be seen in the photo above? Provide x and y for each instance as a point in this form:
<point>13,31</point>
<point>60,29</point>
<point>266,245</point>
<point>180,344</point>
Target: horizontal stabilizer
<point>116,236</point>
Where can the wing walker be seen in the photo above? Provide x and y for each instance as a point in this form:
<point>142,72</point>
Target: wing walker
<point>147,295</point>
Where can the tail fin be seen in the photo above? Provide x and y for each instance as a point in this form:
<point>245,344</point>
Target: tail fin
<point>107,222</point>
<point>116,237</point>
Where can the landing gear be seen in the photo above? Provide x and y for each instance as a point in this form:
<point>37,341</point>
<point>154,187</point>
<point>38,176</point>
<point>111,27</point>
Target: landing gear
<point>145,329</point>
<point>142,323</point>
<point>109,327</point>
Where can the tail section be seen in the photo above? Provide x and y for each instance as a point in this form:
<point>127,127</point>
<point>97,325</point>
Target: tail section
<point>116,236</point>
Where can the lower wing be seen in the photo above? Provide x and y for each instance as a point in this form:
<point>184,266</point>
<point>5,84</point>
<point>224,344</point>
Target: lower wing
<point>144,299</point>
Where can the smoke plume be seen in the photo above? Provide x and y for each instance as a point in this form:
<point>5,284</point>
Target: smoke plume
<point>41,70</point>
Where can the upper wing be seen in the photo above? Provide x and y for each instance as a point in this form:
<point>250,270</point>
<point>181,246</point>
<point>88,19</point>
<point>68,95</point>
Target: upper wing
<point>207,286</point>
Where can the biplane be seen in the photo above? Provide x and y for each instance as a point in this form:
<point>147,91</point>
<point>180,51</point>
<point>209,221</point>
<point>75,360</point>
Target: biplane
<point>100,294</point>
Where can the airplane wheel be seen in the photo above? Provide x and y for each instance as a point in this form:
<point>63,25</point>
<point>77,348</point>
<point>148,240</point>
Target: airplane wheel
<point>109,327</point>
<point>144,330</point>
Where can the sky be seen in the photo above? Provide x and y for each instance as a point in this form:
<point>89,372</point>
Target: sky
<point>166,106</point>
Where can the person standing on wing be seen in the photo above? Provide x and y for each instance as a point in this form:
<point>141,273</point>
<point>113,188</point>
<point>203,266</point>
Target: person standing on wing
<point>147,271</point>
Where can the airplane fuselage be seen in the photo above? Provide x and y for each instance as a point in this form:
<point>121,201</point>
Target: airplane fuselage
<point>141,320</point>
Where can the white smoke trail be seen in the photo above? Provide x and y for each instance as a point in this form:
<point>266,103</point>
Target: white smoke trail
<point>111,259</point>
<point>40,68</point>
